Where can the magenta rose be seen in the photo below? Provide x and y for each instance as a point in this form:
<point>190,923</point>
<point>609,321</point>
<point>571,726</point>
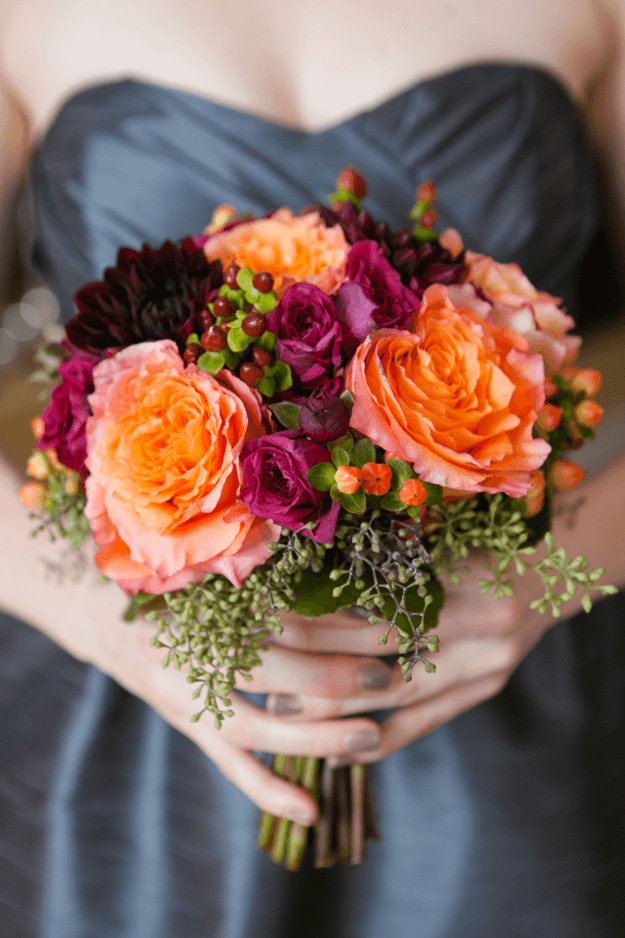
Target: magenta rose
<point>276,484</point>
<point>65,417</point>
<point>308,334</point>
<point>373,296</point>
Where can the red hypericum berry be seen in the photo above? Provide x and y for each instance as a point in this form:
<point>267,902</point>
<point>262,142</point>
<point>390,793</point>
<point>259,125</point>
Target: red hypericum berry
<point>263,282</point>
<point>428,219</point>
<point>350,180</point>
<point>426,192</point>
<point>214,339</point>
<point>204,319</point>
<point>254,324</point>
<point>251,373</point>
<point>260,356</point>
<point>223,307</point>
<point>192,353</point>
<point>230,276</point>
<point>565,475</point>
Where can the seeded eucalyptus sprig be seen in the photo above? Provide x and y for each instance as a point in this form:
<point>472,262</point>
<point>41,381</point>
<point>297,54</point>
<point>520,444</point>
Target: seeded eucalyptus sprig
<point>506,538</point>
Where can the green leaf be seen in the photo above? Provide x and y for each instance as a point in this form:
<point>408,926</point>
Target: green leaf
<point>136,602</point>
<point>340,456</point>
<point>212,362</point>
<point>252,295</point>
<point>238,341</point>
<point>266,303</point>
<point>363,452</point>
<point>343,442</point>
<point>402,471</point>
<point>335,495</point>
<point>348,398</point>
<point>281,372</point>
<point>315,594</point>
<point>244,278</point>
<point>232,359</point>
<point>392,502</point>
<point>355,503</point>
<point>287,414</point>
<point>266,386</point>
<point>193,339</point>
<point>267,341</point>
<point>435,493</point>
<point>321,476</point>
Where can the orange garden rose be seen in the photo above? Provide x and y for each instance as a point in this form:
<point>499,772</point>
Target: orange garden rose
<point>163,493</point>
<point>293,248</point>
<point>457,398</point>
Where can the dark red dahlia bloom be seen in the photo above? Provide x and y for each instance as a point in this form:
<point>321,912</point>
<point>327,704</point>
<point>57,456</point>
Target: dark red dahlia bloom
<point>151,294</point>
<point>422,263</point>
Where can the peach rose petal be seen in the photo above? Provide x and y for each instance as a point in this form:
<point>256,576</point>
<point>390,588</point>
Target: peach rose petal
<point>163,490</point>
<point>293,248</point>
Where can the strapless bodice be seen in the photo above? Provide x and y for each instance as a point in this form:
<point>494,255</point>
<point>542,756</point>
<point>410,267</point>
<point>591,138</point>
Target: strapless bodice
<point>127,162</point>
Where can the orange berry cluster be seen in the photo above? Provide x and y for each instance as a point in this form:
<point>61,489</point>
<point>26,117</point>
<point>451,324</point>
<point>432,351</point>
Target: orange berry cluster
<point>375,479</point>
<point>565,425</point>
<point>39,467</point>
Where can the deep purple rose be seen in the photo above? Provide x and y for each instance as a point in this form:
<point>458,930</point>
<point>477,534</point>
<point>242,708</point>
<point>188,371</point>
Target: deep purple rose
<point>373,296</point>
<point>308,334</point>
<point>324,416</point>
<point>276,484</point>
<point>65,417</point>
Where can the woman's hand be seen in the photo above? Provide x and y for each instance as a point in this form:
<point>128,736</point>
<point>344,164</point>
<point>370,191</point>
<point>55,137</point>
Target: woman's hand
<point>482,641</point>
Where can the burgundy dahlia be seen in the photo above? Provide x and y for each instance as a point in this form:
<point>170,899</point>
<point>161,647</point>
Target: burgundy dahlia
<point>151,294</point>
<point>65,417</point>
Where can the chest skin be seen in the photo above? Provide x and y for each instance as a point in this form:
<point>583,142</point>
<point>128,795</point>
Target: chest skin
<point>309,65</point>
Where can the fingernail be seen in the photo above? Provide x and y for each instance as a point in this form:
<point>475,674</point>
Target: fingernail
<point>374,676</point>
<point>364,741</point>
<point>283,705</point>
<point>300,817</point>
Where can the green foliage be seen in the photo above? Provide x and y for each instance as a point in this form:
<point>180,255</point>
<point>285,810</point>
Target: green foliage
<point>494,526</point>
<point>287,414</point>
<point>63,515</point>
<point>321,476</point>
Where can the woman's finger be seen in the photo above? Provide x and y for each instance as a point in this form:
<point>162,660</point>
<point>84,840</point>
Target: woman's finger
<point>285,671</point>
<point>457,663</point>
<point>337,634</point>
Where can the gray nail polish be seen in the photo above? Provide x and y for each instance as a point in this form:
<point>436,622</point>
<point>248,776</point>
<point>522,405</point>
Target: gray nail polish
<point>283,705</point>
<point>300,817</point>
<point>374,676</point>
<point>364,741</point>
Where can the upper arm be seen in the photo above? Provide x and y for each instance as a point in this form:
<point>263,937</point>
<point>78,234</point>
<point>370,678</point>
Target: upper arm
<point>605,107</point>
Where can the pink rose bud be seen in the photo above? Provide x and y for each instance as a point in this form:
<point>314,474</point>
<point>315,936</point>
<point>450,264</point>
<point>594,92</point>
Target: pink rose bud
<point>587,380</point>
<point>221,217</point>
<point>426,192</point>
<point>535,498</point>
<point>38,427</point>
<point>549,417</point>
<point>551,388</point>
<point>348,479</point>
<point>377,478</point>
<point>565,474</point>
<point>350,180</point>
<point>38,466</point>
<point>33,494</point>
<point>451,240</point>
<point>588,413</point>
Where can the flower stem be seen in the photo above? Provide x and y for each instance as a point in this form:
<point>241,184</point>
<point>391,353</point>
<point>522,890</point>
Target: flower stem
<point>357,779</point>
<point>342,823</point>
<point>324,854</point>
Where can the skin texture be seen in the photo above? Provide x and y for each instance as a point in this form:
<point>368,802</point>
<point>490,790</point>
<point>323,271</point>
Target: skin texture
<point>334,667</point>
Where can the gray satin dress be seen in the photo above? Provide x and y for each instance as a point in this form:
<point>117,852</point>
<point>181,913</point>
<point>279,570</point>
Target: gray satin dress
<point>508,821</point>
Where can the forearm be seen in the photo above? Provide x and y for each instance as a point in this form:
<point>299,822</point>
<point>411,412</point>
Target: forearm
<point>68,612</point>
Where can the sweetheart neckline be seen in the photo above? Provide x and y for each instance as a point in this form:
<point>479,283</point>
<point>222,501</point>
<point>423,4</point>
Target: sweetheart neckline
<point>450,75</point>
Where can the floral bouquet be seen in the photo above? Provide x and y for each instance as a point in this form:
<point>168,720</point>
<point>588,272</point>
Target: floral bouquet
<point>309,412</point>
